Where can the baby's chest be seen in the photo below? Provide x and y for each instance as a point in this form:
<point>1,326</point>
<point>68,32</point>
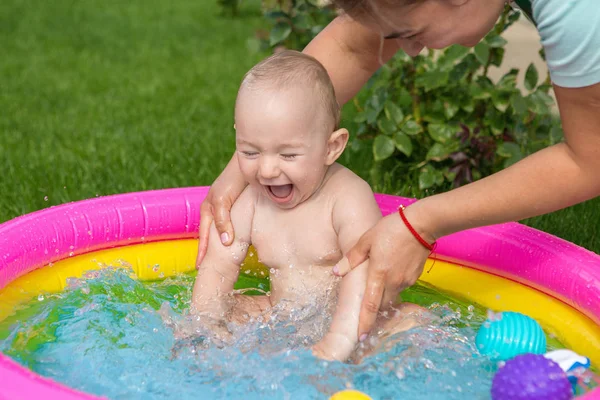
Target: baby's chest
<point>295,240</point>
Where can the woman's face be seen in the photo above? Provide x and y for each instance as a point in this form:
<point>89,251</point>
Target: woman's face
<point>435,24</point>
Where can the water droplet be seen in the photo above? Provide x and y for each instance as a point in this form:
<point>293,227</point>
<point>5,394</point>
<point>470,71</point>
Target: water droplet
<point>41,297</point>
<point>45,198</point>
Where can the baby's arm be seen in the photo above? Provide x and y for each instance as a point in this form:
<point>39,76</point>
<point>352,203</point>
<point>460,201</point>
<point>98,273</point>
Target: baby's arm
<point>220,267</point>
<point>354,212</point>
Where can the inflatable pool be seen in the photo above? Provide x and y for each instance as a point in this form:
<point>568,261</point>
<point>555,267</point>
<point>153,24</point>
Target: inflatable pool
<point>503,267</point>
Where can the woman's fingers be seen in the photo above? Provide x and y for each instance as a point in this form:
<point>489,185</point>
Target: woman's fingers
<point>206,219</point>
<point>396,261</point>
<point>371,301</point>
<point>356,255</point>
<point>223,220</point>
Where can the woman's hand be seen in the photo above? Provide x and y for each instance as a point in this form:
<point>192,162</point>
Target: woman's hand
<point>216,206</point>
<point>396,261</point>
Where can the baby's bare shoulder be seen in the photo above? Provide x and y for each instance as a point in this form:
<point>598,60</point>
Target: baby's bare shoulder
<point>246,199</point>
<point>354,202</point>
<point>343,182</point>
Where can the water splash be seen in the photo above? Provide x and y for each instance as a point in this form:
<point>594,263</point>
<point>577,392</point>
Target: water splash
<point>107,335</point>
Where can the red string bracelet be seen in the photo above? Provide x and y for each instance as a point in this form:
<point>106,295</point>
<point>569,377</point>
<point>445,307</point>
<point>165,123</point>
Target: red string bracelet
<point>412,230</point>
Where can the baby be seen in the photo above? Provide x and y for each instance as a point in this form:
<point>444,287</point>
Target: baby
<point>301,210</point>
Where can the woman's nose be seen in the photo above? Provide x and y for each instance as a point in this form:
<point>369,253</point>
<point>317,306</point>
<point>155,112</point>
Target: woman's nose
<point>269,168</point>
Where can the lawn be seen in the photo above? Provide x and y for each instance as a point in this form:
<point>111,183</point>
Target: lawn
<point>104,97</point>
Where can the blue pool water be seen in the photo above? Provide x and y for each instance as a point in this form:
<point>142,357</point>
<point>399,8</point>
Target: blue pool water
<point>107,335</point>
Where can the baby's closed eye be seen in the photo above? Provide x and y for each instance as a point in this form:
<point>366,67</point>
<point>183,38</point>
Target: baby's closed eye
<point>289,156</point>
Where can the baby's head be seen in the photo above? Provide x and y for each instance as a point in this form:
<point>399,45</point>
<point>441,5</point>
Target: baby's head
<point>286,118</point>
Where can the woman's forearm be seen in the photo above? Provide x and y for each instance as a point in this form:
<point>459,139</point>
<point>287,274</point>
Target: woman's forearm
<point>551,179</point>
<point>546,181</point>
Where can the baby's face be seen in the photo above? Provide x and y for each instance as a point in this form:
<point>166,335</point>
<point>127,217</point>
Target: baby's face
<point>281,143</point>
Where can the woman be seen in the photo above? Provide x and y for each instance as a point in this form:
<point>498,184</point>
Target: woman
<point>352,48</point>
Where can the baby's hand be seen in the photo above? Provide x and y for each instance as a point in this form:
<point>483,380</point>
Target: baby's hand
<point>334,346</point>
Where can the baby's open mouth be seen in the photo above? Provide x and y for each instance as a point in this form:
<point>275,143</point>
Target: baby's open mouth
<point>281,192</point>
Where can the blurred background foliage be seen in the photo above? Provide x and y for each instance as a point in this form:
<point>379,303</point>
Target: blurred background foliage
<point>99,98</point>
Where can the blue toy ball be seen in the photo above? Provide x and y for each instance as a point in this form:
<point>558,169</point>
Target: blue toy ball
<point>531,377</point>
<point>510,335</point>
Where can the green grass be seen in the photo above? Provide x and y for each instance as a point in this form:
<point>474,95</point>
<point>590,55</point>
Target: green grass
<point>104,97</point>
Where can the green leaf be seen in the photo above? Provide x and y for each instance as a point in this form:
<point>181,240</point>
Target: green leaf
<point>362,129</point>
<point>478,92</point>
<point>404,98</point>
<point>518,103</point>
<point>450,109</point>
<point>356,145</point>
<point>378,99</point>
<point>453,54</point>
<point>556,134</point>
<point>279,33</point>
<point>509,80</point>
<point>371,114</point>
<point>441,133</point>
<point>501,100</point>
<point>545,97</point>
<point>539,102</point>
<point>411,128</point>
<point>302,21</point>
<point>496,41</point>
<point>403,143</point>
<point>496,56</point>
<point>386,126</point>
<point>438,152</point>
<point>432,80</point>
<point>467,104</point>
<point>459,72</point>
<point>383,147</point>
<point>482,52</point>
<point>426,178</point>
<point>276,15</point>
<point>360,117</point>
<point>508,149</point>
<point>394,112</point>
<point>498,124</point>
<point>511,151</point>
<point>531,77</point>
<point>512,18</point>
<point>429,176</point>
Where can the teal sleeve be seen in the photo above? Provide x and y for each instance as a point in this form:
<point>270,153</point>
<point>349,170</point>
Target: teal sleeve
<point>570,32</point>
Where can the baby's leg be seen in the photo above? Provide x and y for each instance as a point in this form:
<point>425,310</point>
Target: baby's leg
<point>247,307</point>
<point>399,318</point>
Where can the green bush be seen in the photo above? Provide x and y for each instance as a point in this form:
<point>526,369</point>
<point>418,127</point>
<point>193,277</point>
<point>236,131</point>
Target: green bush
<point>294,23</point>
<point>438,119</point>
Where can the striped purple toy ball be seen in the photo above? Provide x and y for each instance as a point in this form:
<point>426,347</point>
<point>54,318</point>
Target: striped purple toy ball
<point>531,377</point>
